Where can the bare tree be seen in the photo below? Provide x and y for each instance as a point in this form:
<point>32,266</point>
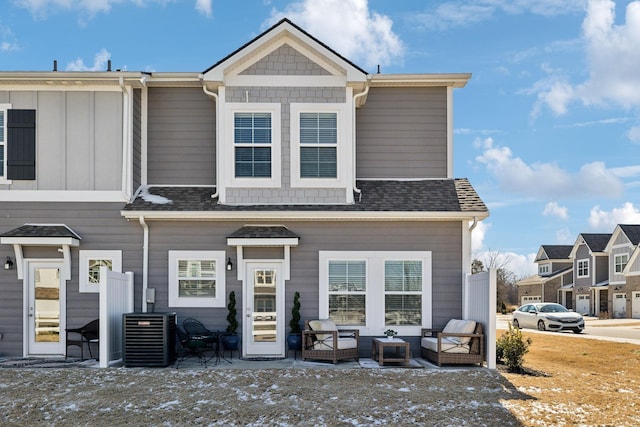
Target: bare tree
<point>506,290</point>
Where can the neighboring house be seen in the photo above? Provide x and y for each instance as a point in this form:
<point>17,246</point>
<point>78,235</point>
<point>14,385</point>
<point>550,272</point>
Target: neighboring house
<point>591,273</point>
<point>284,167</point>
<point>554,279</point>
<point>624,295</point>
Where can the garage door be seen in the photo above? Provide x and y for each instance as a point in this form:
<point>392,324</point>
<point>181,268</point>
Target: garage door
<point>619,306</point>
<point>582,304</point>
<point>635,305</point>
<point>531,298</point>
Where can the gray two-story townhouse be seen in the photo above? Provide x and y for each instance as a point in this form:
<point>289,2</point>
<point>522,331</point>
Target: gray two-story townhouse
<point>624,296</point>
<point>591,273</point>
<point>554,280</point>
<point>282,168</point>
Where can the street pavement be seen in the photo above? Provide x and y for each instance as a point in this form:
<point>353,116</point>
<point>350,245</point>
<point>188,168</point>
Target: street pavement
<point>618,330</point>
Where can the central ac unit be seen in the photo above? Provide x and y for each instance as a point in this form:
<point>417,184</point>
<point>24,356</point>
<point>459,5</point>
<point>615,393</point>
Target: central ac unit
<point>149,339</point>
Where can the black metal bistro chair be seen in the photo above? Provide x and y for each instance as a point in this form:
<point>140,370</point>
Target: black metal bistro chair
<point>89,334</point>
<point>196,330</point>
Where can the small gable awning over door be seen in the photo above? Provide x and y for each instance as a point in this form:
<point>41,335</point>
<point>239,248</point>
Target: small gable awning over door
<point>42,235</point>
<point>263,236</point>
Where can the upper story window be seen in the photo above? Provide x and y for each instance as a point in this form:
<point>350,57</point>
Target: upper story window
<point>543,269</point>
<point>318,144</point>
<point>583,268</point>
<point>252,156</point>
<point>252,139</point>
<point>620,262</point>
<point>320,150</point>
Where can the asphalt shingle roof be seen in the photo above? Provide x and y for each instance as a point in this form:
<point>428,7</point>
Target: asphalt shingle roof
<point>433,195</point>
<point>263,232</point>
<point>632,232</point>
<point>597,242</point>
<point>557,251</point>
<point>41,230</point>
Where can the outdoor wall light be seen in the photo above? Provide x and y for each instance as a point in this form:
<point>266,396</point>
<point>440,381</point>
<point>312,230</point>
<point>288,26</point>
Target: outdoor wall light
<point>229,265</point>
<point>8,264</point>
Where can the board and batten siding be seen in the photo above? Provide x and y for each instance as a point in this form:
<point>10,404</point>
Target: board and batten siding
<point>181,140</point>
<point>78,139</point>
<point>101,228</point>
<point>443,239</point>
<point>402,133</point>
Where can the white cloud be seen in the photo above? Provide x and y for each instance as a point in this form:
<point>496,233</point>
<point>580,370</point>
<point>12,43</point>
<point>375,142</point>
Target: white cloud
<point>453,14</point>
<point>478,234</point>
<point>205,7</point>
<point>553,209</point>
<point>612,53</point>
<point>348,27</point>
<point>565,236</point>
<point>606,221</point>
<point>8,41</point>
<point>546,179</point>
<point>99,63</point>
<point>634,134</point>
<point>520,265</point>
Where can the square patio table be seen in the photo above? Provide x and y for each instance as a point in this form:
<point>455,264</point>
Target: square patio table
<point>377,350</point>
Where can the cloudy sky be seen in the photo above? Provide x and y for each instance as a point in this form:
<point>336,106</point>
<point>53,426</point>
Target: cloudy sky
<point>547,130</point>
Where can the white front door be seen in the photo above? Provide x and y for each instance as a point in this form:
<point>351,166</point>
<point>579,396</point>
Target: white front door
<point>635,305</point>
<point>45,308</point>
<point>263,332</point>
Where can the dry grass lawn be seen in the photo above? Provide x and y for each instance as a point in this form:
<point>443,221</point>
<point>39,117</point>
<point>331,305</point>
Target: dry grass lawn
<point>589,382</point>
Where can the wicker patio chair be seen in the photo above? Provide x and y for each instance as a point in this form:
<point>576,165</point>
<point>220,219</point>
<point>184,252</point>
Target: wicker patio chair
<point>88,334</point>
<point>321,340</point>
<point>452,346</point>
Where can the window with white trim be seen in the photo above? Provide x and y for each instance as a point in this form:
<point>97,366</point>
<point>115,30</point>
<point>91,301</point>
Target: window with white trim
<point>543,269</point>
<point>252,141</point>
<point>90,263</point>
<point>403,292</point>
<point>348,292</point>
<point>254,152</point>
<point>583,268</point>
<point>373,291</point>
<point>620,262</point>
<point>196,279</point>
<point>318,145</point>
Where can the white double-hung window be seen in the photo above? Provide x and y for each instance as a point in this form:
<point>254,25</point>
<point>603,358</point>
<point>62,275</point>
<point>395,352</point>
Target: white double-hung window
<point>374,291</point>
<point>583,268</point>
<point>320,145</point>
<point>620,262</point>
<point>196,279</point>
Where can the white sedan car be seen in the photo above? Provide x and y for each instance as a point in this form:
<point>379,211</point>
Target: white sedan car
<point>546,316</point>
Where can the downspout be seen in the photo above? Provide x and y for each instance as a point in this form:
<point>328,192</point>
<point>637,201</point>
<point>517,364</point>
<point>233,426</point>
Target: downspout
<point>353,128</point>
<point>145,262</point>
<point>474,225</point>
<point>215,97</point>
<point>125,139</point>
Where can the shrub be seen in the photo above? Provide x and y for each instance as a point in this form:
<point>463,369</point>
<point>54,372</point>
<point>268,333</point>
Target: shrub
<point>294,323</point>
<point>511,348</point>
<point>503,308</point>
<point>231,316</point>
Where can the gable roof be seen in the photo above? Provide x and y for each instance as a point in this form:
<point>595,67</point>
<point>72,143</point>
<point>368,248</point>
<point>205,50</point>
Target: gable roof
<point>352,71</point>
<point>557,252</point>
<point>422,199</point>
<point>596,242</point>
<point>632,231</point>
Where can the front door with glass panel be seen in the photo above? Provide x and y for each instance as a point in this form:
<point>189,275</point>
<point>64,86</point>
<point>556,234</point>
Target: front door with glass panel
<point>263,310</point>
<point>45,309</point>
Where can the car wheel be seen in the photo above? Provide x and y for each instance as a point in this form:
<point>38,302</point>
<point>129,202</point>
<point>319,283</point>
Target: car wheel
<point>541,326</point>
<point>516,324</point>
<point>577,331</point>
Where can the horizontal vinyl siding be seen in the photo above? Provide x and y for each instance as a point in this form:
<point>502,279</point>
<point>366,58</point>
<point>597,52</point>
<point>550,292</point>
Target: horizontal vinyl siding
<point>137,139</point>
<point>402,133</point>
<point>181,137</point>
<point>101,228</point>
<point>443,239</point>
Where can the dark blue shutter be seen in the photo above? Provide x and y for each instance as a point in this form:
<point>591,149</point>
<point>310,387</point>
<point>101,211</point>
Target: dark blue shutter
<point>21,144</point>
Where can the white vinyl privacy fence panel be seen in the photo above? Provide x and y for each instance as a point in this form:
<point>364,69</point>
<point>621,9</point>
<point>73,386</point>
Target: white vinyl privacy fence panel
<point>116,299</point>
<point>479,304</point>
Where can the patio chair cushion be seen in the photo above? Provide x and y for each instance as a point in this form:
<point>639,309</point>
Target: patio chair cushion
<point>343,344</point>
<point>448,345</point>
<point>323,325</point>
<point>459,326</point>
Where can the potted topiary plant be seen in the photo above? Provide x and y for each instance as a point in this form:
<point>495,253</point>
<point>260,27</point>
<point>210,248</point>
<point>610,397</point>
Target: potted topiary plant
<point>294,340</point>
<point>230,338</point>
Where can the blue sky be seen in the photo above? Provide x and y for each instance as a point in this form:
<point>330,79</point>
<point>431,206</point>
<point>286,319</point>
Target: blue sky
<point>547,129</point>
